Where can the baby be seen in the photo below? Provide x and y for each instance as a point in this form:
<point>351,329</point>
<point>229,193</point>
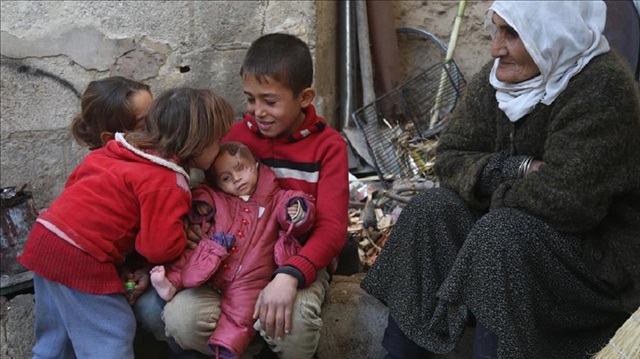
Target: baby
<point>253,222</point>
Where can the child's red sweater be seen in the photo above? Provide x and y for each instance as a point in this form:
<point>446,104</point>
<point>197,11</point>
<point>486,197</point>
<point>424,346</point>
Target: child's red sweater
<point>313,160</point>
<point>117,200</point>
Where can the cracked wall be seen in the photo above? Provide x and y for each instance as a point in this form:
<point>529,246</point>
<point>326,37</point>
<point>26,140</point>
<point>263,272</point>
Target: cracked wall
<point>52,49</point>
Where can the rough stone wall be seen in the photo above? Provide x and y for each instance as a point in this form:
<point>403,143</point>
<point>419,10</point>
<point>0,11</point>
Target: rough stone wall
<point>52,49</point>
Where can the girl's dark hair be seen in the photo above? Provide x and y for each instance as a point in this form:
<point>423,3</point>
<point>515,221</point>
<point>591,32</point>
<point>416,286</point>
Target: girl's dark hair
<point>283,57</point>
<point>182,122</point>
<point>106,106</point>
<point>233,148</point>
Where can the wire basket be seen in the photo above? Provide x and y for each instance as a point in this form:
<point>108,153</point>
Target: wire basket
<point>400,126</point>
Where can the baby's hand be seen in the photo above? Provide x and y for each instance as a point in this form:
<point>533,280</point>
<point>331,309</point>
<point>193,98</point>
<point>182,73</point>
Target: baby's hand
<point>292,210</point>
<point>202,208</point>
<point>295,212</point>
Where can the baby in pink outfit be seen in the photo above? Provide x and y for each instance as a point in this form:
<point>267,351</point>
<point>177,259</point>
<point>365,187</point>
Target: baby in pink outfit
<point>254,224</point>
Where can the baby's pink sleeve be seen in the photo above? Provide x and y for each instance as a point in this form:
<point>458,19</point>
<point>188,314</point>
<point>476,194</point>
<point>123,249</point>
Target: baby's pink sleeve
<point>203,263</point>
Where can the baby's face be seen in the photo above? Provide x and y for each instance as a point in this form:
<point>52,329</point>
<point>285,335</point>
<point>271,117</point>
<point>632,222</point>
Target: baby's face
<point>235,175</point>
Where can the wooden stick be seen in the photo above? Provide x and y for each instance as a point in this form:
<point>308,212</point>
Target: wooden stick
<point>397,197</point>
<point>435,110</point>
<point>626,342</point>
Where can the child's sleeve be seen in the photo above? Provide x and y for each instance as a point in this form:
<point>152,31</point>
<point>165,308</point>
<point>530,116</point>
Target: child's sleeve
<point>162,236</point>
<point>201,195</point>
<point>307,204</point>
<point>203,263</point>
<point>331,221</point>
<point>173,270</point>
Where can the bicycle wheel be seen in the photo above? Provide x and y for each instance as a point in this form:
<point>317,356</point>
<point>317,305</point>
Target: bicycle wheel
<point>418,51</point>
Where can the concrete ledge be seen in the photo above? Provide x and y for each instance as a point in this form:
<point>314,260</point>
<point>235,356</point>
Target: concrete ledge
<point>354,323</point>
<point>353,326</point>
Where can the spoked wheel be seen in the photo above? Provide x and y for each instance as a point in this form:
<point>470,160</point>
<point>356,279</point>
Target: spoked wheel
<point>420,50</point>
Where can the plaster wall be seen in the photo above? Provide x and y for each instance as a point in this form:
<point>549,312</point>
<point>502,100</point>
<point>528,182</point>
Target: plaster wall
<point>52,49</point>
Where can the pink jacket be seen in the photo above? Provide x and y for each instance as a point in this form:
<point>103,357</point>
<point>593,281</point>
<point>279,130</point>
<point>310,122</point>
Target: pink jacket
<point>243,271</point>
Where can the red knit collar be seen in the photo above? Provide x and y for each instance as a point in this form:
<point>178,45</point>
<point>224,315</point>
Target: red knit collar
<point>311,124</point>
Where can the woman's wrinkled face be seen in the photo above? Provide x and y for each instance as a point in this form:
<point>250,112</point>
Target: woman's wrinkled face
<point>514,64</point>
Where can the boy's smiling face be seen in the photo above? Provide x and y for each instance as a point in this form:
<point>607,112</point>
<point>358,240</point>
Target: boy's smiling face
<point>278,112</point>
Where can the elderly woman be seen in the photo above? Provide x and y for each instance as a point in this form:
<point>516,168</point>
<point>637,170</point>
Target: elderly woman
<point>535,230</point>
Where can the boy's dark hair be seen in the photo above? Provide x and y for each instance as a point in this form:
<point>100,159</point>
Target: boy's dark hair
<point>105,107</point>
<point>283,57</point>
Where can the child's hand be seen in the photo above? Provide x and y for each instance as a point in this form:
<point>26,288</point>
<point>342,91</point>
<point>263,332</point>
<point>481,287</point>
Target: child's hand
<point>275,304</point>
<point>202,208</point>
<point>295,211</point>
<point>141,277</point>
<point>292,210</point>
<point>199,222</point>
<point>194,234</point>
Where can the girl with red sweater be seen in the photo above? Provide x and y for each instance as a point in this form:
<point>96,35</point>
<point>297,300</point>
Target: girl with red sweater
<point>110,105</point>
<point>131,194</point>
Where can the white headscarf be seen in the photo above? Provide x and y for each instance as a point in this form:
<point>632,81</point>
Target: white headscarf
<point>560,36</point>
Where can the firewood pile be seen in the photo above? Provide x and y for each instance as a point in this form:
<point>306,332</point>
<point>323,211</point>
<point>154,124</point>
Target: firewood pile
<point>374,210</point>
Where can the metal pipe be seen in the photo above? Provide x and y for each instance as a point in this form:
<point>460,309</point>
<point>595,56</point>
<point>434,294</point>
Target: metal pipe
<point>347,57</point>
<point>364,53</point>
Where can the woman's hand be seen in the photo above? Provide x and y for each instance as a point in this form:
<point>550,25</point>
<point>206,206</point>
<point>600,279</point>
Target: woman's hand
<point>275,305</point>
<point>534,166</point>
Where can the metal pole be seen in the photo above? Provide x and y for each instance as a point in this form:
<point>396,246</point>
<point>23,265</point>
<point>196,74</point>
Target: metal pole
<point>347,58</point>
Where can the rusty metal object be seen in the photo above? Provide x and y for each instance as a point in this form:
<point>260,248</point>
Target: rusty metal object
<point>19,213</point>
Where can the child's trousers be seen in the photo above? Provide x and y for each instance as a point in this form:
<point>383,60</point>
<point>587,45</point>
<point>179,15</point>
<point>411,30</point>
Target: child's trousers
<point>74,324</point>
<point>196,324</point>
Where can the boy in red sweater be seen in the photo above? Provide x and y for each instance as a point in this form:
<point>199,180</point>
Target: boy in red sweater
<point>282,129</point>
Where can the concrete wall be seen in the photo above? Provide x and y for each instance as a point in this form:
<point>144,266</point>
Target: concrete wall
<point>52,49</point>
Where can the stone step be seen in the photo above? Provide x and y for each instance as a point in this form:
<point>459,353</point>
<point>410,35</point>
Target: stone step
<point>354,323</point>
<point>353,326</point>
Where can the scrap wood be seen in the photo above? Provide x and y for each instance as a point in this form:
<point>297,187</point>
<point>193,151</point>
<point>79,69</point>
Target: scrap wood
<point>403,190</point>
<point>371,227</point>
<point>369,248</point>
<point>397,197</point>
<point>372,218</point>
<point>369,218</point>
<point>402,186</point>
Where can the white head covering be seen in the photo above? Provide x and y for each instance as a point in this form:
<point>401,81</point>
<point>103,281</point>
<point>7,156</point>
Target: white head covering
<point>560,36</point>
